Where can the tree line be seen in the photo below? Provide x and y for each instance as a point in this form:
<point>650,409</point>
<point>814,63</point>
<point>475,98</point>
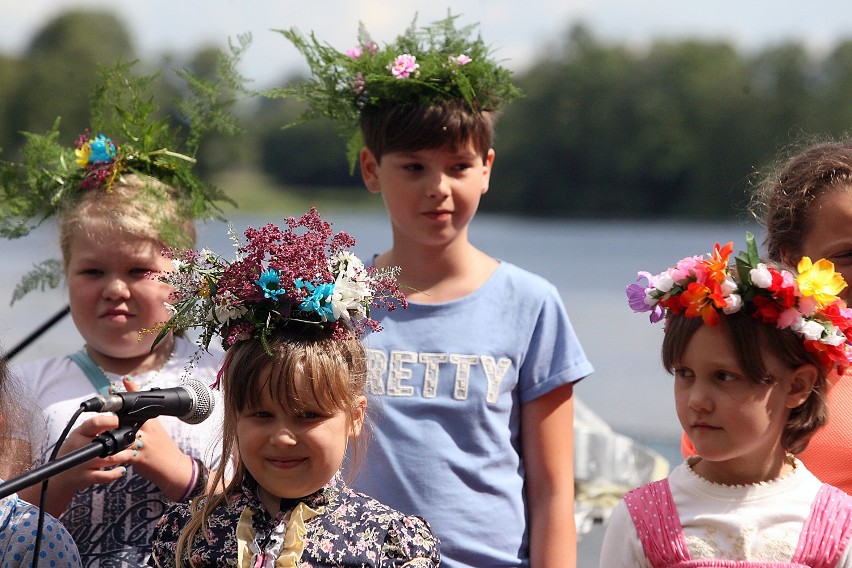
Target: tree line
<point>675,130</point>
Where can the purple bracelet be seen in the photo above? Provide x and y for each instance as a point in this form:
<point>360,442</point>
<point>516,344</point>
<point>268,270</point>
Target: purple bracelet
<point>192,481</point>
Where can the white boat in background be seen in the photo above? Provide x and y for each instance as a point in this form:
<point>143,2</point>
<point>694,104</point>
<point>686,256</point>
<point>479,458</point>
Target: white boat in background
<point>606,466</point>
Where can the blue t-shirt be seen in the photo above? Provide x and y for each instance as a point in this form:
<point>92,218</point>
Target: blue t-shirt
<point>447,384</point>
<point>18,531</point>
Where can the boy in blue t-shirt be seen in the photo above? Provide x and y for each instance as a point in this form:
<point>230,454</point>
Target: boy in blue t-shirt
<point>474,381</point>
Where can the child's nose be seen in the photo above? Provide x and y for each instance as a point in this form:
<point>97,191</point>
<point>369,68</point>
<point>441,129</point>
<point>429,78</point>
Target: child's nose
<point>284,436</point>
<point>116,288</point>
<point>699,398</point>
<point>441,187</point>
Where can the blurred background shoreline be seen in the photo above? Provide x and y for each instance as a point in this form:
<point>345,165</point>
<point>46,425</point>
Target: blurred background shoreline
<point>657,110</point>
<point>590,263</point>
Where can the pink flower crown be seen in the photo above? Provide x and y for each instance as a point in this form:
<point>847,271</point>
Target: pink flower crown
<point>807,304</point>
<point>299,276</point>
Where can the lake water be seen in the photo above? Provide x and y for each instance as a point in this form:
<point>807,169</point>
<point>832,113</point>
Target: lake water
<point>589,262</point>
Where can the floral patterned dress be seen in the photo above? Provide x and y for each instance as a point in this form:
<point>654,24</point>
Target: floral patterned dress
<point>333,527</point>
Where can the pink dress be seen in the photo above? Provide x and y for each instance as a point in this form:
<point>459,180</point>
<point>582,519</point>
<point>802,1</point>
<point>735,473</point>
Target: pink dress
<point>824,536</point>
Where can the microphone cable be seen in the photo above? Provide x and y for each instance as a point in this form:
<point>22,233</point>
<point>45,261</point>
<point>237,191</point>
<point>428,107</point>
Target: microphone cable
<point>43,496</point>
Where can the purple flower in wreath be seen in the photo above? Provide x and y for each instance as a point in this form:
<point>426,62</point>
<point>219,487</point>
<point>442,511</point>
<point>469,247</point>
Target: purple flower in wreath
<point>358,84</point>
<point>239,332</point>
<point>637,294</point>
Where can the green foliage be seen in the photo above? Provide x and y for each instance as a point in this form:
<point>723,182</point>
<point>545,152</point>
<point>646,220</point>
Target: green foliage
<point>450,65</point>
<point>208,106</point>
<point>60,68</point>
<point>122,105</point>
<point>46,274</point>
<point>72,32</point>
<point>676,129</point>
<point>298,163</point>
<point>31,189</point>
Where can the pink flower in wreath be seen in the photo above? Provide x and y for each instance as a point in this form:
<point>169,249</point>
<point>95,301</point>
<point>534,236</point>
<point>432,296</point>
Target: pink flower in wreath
<point>403,66</point>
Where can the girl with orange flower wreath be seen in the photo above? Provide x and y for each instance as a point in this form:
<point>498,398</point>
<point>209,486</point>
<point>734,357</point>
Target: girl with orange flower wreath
<point>750,346</point>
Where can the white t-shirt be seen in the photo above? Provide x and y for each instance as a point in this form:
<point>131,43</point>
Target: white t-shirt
<point>112,523</point>
<point>758,522</point>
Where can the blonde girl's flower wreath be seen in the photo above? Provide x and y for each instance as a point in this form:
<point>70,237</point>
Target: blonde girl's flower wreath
<point>424,66</point>
<point>806,303</point>
<point>302,275</point>
<point>130,136</point>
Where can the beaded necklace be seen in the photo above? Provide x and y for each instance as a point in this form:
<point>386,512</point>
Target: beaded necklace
<point>118,384</point>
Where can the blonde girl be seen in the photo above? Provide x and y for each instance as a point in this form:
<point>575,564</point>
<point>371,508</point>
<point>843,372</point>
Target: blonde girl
<point>293,385</point>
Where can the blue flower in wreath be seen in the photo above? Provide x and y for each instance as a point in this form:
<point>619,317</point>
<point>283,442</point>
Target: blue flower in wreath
<point>102,148</point>
<point>320,299</point>
<point>270,284</point>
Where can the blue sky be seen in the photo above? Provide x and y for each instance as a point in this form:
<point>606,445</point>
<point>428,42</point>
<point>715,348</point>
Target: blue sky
<point>518,30</point>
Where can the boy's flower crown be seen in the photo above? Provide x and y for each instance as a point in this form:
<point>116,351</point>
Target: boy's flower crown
<point>279,278</point>
<point>807,304</point>
<point>127,138</point>
<point>427,66</point>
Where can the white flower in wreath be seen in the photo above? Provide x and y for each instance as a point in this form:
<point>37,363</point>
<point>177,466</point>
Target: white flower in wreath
<point>734,304</point>
<point>760,276</point>
<point>226,308</point>
<point>349,297</point>
<point>809,329</point>
<point>728,286</point>
<point>664,281</point>
<point>351,287</point>
<point>346,263</point>
<point>834,337</point>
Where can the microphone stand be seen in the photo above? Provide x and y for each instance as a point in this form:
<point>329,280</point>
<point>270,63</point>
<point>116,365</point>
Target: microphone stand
<point>106,444</point>
<point>35,334</point>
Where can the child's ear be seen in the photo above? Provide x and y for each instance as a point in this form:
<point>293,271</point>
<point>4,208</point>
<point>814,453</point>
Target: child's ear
<point>369,170</point>
<point>804,379</point>
<point>358,414</point>
<point>486,170</point>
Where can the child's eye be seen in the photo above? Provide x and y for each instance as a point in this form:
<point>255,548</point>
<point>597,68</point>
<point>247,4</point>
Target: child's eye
<point>414,167</point>
<point>727,377</point>
<point>141,272</point>
<point>842,258</point>
<point>311,415</point>
<point>462,167</point>
<point>682,373</point>
<point>257,413</point>
<point>91,271</point>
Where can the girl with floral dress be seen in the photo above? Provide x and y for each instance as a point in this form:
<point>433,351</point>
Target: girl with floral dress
<point>290,311</point>
<point>749,347</point>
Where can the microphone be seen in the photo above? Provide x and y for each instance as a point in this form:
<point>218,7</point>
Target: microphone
<point>192,402</point>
